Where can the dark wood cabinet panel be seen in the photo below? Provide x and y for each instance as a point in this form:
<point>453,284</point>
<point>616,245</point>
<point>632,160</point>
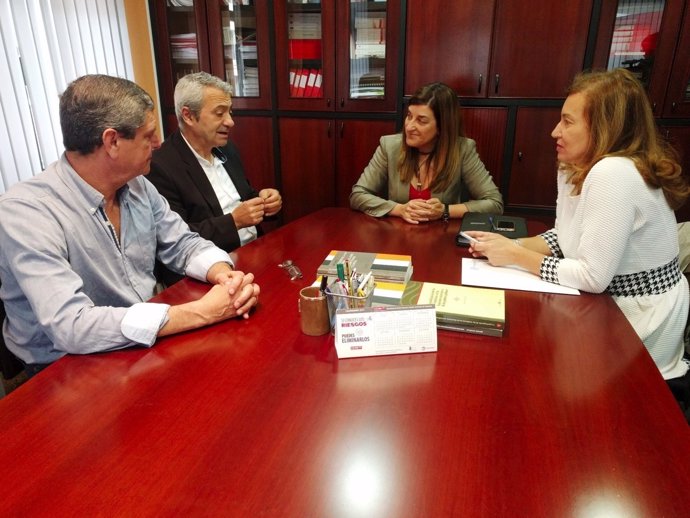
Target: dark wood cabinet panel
<point>538,47</point>
<point>679,138</point>
<point>678,94</point>
<point>533,168</point>
<point>487,127</point>
<point>307,158</point>
<point>448,42</point>
<point>253,136</point>
<point>356,142</point>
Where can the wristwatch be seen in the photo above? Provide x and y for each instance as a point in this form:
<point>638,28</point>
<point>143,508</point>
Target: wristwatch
<point>446,212</point>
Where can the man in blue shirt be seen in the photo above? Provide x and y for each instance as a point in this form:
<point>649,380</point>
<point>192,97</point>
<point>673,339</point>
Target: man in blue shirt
<point>78,242</point>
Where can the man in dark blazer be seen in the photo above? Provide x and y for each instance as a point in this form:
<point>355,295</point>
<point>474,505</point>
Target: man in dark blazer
<point>200,173</point>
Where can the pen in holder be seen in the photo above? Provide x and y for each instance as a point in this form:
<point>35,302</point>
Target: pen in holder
<point>339,299</point>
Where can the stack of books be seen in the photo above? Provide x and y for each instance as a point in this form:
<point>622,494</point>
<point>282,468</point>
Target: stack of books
<point>391,272</point>
<point>460,308</point>
<point>384,267</point>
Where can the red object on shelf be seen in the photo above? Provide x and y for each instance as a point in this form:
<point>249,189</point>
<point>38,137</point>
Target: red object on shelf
<point>304,49</point>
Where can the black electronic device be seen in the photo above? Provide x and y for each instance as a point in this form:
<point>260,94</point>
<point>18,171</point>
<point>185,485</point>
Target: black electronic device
<point>510,226</point>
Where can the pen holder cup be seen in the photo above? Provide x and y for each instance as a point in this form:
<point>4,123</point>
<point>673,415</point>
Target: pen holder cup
<point>337,301</point>
<point>313,311</point>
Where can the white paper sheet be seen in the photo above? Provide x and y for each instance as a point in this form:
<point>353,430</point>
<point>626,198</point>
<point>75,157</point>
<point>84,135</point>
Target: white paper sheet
<point>478,272</point>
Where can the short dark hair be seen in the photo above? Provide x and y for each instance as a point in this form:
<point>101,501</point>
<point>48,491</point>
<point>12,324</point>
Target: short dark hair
<point>93,103</point>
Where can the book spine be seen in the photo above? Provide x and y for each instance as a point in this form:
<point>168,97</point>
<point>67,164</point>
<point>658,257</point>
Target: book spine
<point>470,329</point>
<point>468,321</point>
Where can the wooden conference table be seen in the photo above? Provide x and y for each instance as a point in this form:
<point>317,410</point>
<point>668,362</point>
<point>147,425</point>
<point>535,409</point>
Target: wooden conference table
<point>565,416</point>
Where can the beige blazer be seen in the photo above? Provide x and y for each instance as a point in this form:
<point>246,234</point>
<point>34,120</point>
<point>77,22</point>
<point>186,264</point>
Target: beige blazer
<point>379,188</point>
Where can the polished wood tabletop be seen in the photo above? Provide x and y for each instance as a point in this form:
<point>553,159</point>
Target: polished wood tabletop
<point>564,416</point>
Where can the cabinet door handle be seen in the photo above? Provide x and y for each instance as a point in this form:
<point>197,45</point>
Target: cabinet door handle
<point>519,156</point>
<point>342,129</point>
<point>328,131</point>
<point>673,106</point>
<point>342,102</point>
<point>328,102</point>
<point>479,83</point>
<point>497,81</point>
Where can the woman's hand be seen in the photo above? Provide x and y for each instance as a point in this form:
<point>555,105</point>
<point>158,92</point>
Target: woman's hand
<point>499,250</point>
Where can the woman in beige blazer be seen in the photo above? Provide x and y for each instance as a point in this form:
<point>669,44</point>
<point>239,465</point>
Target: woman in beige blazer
<point>419,174</point>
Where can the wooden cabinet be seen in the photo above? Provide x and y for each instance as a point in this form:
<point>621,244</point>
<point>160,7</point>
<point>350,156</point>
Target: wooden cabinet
<point>510,63</point>
<point>532,183</point>
<point>496,48</point>
<point>449,42</point>
<point>322,158</point>
<point>227,39</point>
<point>337,56</point>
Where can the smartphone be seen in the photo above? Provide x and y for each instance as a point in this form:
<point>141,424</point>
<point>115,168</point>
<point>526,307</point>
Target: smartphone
<point>505,226</point>
<point>468,237</point>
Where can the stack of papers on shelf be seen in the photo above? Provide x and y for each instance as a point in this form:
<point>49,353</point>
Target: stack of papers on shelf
<point>460,308</point>
<point>183,46</point>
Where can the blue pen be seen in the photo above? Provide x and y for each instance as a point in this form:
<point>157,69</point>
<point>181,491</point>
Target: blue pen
<point>491,221</point>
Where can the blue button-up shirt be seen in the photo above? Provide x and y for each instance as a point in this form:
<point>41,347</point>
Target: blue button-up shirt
<point>68,284</point>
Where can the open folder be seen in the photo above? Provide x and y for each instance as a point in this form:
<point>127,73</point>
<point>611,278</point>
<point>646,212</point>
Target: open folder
<point>478,272</point>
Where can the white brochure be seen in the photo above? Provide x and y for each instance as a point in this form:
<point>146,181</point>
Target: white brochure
<point>385,330</point>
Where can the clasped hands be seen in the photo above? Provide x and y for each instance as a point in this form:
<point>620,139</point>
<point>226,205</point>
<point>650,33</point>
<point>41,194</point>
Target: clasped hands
<point>233,294</point>
<point>252,212</point>
<point>421,211</point>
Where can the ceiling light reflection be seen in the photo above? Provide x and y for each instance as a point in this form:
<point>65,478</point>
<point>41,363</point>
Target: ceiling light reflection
<point>607,505</point>
<point>363,486</point>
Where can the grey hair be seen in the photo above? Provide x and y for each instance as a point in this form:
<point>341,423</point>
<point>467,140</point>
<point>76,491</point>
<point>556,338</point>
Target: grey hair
<point>93,103</point>
<point>189,92</point>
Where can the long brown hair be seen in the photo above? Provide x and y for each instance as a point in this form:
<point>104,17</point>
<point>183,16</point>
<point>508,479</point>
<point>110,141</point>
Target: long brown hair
<point>621,124</point>
<point>446,155</point>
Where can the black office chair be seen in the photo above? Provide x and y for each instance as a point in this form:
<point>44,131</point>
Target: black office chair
<point>10,365</point>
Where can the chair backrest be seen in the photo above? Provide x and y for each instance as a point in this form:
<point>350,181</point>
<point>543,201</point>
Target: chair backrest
<point>9,363</point>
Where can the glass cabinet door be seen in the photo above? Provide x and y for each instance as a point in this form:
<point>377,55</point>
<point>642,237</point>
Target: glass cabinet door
<point>304,54</point>
<point>338,56</point>
<point>635,36</point>
<point>238,42</point>
<point>367,52</point>
<point>187,45</point>
<point>240,48</point>
<point>368,23</point>
<point>641,36</point>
